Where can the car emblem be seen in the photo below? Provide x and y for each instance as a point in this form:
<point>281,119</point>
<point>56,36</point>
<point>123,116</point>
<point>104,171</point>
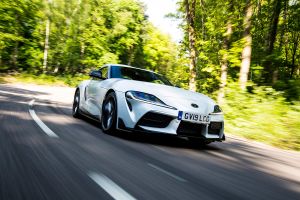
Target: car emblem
<point>194,105</point>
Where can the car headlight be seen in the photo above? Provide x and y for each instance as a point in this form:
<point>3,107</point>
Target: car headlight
<point>217,109</point>
<point>147,98</point>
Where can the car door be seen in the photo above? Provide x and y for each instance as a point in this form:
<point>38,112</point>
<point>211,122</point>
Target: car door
<point>95,93</point>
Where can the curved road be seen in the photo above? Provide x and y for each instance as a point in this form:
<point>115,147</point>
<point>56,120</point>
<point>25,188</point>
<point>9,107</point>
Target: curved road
<point>76,160</point>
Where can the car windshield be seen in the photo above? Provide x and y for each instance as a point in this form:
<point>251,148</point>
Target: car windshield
<point>138,75</point>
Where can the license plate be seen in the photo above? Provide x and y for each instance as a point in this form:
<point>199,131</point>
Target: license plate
<point>193,117</point>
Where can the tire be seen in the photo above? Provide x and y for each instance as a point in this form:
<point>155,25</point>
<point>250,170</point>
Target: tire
<point>75,108</point>
<point>109,113</point>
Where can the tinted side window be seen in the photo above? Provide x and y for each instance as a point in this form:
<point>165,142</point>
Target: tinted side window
<point>115,72</point>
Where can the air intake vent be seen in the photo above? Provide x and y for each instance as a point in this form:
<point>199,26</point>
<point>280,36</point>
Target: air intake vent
<point>155,120</point>
<point>190,129</point>
<point>214,128</point>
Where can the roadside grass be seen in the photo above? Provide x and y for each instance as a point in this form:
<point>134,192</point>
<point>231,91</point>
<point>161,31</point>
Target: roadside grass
<point>263,115</point>
<point>2,80</point>
<point>43,79</point>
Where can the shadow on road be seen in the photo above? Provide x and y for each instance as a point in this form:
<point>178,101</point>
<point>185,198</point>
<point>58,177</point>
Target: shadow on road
<point>16,91</point>
<point>154,138</point>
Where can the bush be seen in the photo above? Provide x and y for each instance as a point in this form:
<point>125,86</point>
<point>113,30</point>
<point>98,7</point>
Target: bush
<point>263,115</point>
<point>291,89</point>
<point>45,79</point>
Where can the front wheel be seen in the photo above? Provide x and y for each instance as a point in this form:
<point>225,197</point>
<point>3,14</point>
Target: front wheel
<point>76,101</point>
<point>109,113</point>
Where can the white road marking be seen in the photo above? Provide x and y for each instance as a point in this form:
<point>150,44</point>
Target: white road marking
<point>110,187</point>
<point>168,173</point>
<point>39,122</point>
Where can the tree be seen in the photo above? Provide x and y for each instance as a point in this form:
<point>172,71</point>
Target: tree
<point>246,54</point>
<point>159,52</point>
<point>46,45</point>
<point>224,60</point>
<point>190,18</point>
<point>18,20</point>
<point>270,69</point>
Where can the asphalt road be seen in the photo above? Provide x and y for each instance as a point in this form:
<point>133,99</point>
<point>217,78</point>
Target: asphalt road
<point>81,162</point>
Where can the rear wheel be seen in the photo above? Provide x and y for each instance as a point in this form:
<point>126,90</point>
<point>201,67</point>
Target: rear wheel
<point>76,101</point>
<point>109,113</point>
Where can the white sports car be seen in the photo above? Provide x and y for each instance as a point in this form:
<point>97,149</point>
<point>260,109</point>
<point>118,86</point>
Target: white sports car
<point>125,98</point>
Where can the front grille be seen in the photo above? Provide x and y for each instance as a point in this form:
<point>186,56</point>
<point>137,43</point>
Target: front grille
<point>155,120</point>
<point>214,128</point>
<point>190,129</point>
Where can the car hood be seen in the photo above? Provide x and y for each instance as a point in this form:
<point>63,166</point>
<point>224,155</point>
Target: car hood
<point>173,96</point>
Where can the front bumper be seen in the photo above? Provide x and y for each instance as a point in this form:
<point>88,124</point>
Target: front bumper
<point>141,116</point>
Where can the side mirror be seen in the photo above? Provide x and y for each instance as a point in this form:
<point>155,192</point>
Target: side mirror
<point>96,74</point>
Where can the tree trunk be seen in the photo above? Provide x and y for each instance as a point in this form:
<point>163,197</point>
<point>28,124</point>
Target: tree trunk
<point>46,45</point>
<point>281,41</point>
<point>82,49</point>
<point>56,68</point>
<point>286,50</point>
<point>294,49</point>
<point>130,55</point>
<point>246,53</point>
<point>285,5</point>
<point>15,55</point>
<point>273,27</point>
<point>224,63</point>
<point>190,17</point>
<point>271,40</point>
<point>202,20</point>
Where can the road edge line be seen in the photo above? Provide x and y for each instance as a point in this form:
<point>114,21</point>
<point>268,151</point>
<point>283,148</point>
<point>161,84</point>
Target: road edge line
<point>39,122</point>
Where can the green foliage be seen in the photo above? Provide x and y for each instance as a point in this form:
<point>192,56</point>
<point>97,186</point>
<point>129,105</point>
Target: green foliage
<point>159,53</point>
<point>291,89</point>
<point>262,115</point>
<point>271,60</point>
<point>18,20</point>
<point>44,79</point>
<point>179,73</point>
<point>2,80</point>
<point>83,35</point>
